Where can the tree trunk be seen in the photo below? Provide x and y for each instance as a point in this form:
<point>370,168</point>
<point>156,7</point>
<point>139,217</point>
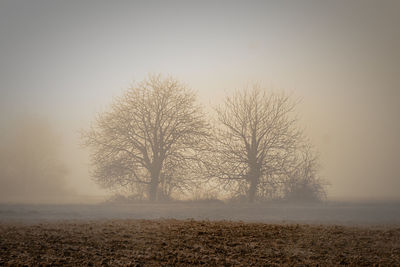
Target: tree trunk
<point>254,177</point>
<point>153,186</point>
<point>251,193</point>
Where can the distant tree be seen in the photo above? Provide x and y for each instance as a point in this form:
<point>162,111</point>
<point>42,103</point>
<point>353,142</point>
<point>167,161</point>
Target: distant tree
<point>302,182</point>
<point>30,164</point>
<point>148,138</point>
<point>256,143</point>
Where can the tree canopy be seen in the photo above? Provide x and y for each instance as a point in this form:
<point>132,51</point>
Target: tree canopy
<point>257,144</point>
<point>148,138</point>
<point>156,141</point>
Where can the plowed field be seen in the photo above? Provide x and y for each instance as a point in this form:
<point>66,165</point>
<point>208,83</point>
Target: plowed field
<point>189,242</point>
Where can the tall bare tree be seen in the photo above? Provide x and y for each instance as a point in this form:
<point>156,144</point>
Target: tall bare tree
<point>148,137</point>
<point>256,140</point>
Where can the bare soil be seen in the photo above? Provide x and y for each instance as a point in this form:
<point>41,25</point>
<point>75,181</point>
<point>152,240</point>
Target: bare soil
<point>189,242</point>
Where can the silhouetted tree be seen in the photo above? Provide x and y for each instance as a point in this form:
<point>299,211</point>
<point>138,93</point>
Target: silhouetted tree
<point>256,144</point>
<point>148,137</point>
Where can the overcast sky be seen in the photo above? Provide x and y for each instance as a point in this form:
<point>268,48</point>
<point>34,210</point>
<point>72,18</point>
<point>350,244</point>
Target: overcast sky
<point>65,60</point>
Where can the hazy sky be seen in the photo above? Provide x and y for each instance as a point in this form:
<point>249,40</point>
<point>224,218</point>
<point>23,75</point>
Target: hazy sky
<point>65,60</point>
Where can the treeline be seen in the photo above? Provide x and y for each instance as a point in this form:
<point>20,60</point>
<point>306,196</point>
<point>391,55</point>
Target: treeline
<point>156,143</point>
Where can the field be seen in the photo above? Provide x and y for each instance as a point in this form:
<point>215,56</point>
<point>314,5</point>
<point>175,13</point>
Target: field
<point>209,233</point>
<point>351,214</point>
<point>190,242</point>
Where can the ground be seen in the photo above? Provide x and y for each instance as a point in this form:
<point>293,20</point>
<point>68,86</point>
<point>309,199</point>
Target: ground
<point>190,242</point>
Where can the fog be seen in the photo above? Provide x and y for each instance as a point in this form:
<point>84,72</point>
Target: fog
<point>351,214</point>
<point>64,62</point>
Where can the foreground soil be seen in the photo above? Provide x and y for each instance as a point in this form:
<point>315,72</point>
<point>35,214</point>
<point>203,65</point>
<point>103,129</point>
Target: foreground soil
<point>174,242</point>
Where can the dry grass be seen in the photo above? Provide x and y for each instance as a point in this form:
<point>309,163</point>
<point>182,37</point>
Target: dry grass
<point>174,242</point>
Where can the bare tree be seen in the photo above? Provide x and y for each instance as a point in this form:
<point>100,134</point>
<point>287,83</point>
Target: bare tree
<point>148,137</point>
<point>256,140</point>
<point>302,182</point>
